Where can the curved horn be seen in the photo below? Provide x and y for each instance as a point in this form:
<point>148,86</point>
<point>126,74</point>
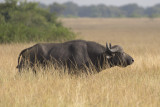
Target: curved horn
<point>110,45</point>
<point>113,49</point>
<point>116,48</point>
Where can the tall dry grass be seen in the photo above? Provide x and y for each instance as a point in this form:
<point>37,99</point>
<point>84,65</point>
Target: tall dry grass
<point>135,85</point>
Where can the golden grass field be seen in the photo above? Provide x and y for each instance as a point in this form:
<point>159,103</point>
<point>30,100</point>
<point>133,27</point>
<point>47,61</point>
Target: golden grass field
<point>136,85</point>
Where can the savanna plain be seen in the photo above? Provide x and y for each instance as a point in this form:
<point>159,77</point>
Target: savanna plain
<point>136,85</point>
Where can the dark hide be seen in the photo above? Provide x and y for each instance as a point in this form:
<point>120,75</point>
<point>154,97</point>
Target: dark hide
<point>75,54</point>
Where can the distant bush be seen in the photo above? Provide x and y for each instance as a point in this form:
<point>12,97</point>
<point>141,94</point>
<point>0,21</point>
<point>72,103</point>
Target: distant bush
<point>25,22</point>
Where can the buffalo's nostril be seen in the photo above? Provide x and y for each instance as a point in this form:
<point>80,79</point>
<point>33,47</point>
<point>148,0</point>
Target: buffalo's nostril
<point>132,60</point>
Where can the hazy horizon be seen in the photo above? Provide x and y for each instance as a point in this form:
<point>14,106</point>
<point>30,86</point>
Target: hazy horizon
<point>144,3</point>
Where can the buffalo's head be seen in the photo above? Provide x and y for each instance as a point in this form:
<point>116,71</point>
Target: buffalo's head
<point>117,57</point>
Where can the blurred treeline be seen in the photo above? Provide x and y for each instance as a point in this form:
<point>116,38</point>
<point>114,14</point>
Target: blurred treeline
<point>26,22</point>
<point>70,9</point>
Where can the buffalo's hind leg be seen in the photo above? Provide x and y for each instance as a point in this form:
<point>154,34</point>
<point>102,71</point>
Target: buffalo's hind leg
<point>20,67</point>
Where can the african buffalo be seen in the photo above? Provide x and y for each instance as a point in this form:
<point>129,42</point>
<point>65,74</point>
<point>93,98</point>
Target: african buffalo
<point>74,54</point>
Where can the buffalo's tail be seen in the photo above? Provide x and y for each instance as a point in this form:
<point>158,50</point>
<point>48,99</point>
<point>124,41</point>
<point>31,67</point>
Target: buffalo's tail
<point>20,57</point>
